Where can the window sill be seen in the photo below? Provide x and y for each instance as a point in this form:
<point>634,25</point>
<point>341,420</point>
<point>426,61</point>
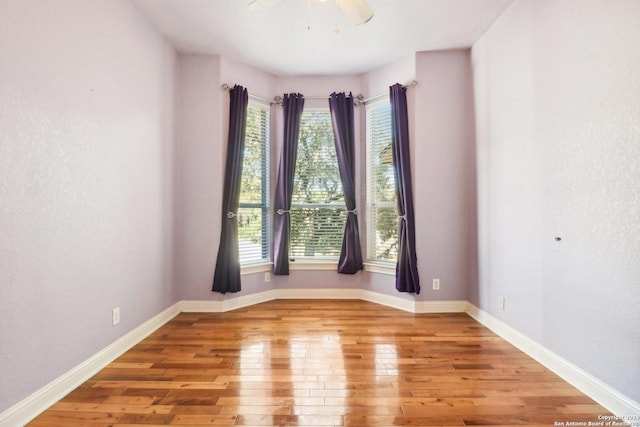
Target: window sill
<point>372,267</point>
<point>313,265</point>
<point>381,268</point>
<point>255,268</point>
<point>293,265</point>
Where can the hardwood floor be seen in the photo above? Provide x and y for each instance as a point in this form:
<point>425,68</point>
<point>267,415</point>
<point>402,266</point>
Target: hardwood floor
<point>322,363</point>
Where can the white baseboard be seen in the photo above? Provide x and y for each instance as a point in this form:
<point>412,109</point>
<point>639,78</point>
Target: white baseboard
<point>404,304</point>
<point>32,406</point>
<point>188,306</point>
<point>399,303</point>
<point>227,304</point>
<point>392,301</point>
<point>605,395</point>
<point>441,306</point>
<point>319,293</point>
<point>274,294</point>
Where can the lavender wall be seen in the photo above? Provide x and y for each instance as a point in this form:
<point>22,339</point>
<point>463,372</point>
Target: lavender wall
<point>443,162</point>
<point>377,82</point>
<point>441,121</point>
<point>203,116</point>
<point>201,167</point>
<point>87,183</point>
<point>558,140</point>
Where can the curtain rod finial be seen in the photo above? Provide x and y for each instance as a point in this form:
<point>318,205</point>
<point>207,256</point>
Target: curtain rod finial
<point>226,87</point>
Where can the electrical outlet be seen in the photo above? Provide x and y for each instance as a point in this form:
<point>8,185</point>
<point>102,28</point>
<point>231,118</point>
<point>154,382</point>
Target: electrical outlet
<point>115,316</point>
<point>267,276</point>
<point>502,303</point>
<point>436,284</point>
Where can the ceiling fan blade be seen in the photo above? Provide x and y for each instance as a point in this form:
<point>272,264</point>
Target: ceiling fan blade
<point>357,11</point>
<point>261,4</point>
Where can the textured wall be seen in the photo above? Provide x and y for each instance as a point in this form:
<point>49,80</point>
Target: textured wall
<point>558,140</point>
<point>443,161</point>
<point>201,166</point>
<point>86,183</point>
<point>203,118</point>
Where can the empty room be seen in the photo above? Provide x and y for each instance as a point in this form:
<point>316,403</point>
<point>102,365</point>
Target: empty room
<point>319,212</point>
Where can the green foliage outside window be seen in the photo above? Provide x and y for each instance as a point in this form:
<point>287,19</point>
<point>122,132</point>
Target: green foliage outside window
<point>318,209</point>
<point>253,214</point>
<point>381,193</point>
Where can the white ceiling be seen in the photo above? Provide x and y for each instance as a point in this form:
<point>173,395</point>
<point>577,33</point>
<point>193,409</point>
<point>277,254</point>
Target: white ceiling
<point>277,40</point>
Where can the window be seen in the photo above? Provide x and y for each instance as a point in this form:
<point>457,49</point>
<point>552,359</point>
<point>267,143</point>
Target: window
<point>253,212</point>
<point>382,214</point>
<point>318,211</point>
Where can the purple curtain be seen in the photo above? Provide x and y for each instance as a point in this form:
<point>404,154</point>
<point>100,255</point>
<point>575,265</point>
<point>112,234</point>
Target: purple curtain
<point>341,107</point>
<point>227,274</point>
<point>292,107</point>
<point>407,279</point>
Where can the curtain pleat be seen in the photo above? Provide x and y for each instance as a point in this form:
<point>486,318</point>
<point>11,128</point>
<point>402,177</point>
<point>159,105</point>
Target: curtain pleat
<point>227,273</point>
<point>407,279</point>
<point>292,107</point>
<point>341,107</point>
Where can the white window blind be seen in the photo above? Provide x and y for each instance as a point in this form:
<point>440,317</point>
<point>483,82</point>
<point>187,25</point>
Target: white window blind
<point>382,214</point>
<point>318,211</point>
<point>253,212</point>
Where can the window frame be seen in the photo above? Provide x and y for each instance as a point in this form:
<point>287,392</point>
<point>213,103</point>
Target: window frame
<point>264,263</point>
<point>373,264</point>
<point>318,263</point>
<point>297,262</point>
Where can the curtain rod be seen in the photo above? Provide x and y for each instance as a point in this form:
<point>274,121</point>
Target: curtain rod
<point>227,88</point>
<point>278,100</point>
<point>358,99</point>
<point>412,83</point>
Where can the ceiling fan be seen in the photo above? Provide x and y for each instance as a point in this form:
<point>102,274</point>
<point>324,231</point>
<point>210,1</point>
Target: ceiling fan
<point>358,11</point>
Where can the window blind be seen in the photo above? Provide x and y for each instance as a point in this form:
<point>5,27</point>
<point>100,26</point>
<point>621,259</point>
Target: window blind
<point>318,211</point>
<point>253,212</point>
<point>382,214</point>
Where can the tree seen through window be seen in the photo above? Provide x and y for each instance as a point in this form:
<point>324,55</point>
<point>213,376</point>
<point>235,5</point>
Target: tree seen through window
<point>253,213</point>
<point>318,209</point>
